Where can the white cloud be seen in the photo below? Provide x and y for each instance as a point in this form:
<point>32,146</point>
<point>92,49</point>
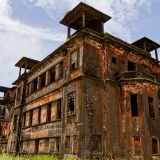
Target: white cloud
<point>121,11</point>
<point>18,40</point>
<point>8,24</point>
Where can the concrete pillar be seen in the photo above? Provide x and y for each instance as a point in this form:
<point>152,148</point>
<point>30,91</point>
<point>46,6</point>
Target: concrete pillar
<point>156,54</point>
<point>38,84</point>
<point>57,72</point>
<point>25,67</point>
<point>144,46</point>
<point>102,27</point>
<point>19,71</point>
<point>47,77</point>
<point>83,19</point>
<point>69,32</point>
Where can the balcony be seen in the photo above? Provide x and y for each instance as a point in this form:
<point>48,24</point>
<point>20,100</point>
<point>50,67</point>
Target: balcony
<point>137,75</point>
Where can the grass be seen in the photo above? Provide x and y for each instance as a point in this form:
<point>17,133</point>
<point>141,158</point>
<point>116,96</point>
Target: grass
<point>37,157</point>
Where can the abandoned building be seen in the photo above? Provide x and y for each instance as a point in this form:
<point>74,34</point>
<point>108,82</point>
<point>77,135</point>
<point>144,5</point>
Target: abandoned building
<point>7,102</point>
<point>95,96</point>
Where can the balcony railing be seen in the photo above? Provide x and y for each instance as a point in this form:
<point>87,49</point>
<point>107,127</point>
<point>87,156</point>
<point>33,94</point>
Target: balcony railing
<point>134,74</point>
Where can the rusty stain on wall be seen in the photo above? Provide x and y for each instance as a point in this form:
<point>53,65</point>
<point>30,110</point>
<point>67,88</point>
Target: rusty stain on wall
<point>96,96</point>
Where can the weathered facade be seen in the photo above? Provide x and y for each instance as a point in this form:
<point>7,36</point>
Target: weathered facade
<point>95,96</point>
<point>6,112</point>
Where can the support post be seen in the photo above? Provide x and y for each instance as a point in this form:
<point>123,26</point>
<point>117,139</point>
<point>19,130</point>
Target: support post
<point>69,32</point>
<point>102,27</point>
<point>144,46</point>
<point>156,54</point>
<point>83,19</point>
<point>19,71</point>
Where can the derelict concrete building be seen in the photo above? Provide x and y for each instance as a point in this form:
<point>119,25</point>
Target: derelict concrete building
<point>95,96</point>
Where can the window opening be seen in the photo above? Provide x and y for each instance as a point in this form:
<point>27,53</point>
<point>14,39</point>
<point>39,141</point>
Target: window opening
<point>18,93</point>
<point>154,145</point>
<point>52,75</point>
<point>4,111</point>
<point>131,66</point>
<point>74,60</point>
<point>30,117</point>
<point>42,80</point>
<point>36,146</point>
<point>15,122</point>
<point>35,82</point>
<point>57,144</point>
<point>27,89</point>
<point>39,115</point>
<point>151,107</point>
<point>60,69</point>
<point>48,118</point>
<point>67,144</point>
<point>0,130</point>
<point>24,119</point>
<point>47,143</point>
<point>137,146</point>
<point>58,109</point>
<point>134,105</point>
<point>28,144</point>
<point>114,60</point>
<point>71,103</point>
<point>159,101</point>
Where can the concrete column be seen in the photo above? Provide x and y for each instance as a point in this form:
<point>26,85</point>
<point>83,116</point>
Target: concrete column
<point>57,72</point>
<point>47,78</point>
<point>144,46</point>
<point>39,81</point>
<point>83,19</point>
<point>156,54</point>
<point>69,32</point>
<point>102,27</point>
<point>19,71</point>
<point>25,67</point>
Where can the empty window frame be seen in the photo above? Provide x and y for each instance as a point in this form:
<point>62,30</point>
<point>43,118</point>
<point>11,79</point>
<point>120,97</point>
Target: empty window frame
<point>30,117</point>
<point>4,111</point>
<point>137,145</point>
<point>39,115</point>
<point>18,93</point>
<point>0,130</point>
<point>42,80</point>
<point>36,146</point>
<point>134,105</point>
<point>60,69</point>
<point>151,107</point>
<point>131,66</point>
<point>15,122</point>
<point>34,85</point>
<point>154,145</point>
<point>74,60</point>
<point>52,76</point>
<point>159,101</point>
<point>27,89</point>
<point>47,143</point>
<point>59,109</point>
<point>114,60</point>
<point>57,144</point>
<point>71,103</point>
<point>48,116</point>
<point>24,119</point>
<point>67,144</point>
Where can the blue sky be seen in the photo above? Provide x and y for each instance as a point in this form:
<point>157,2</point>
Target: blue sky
<point>31,28</point>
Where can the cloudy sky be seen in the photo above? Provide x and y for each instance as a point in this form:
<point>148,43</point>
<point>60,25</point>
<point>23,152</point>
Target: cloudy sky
<point>31,28</point>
